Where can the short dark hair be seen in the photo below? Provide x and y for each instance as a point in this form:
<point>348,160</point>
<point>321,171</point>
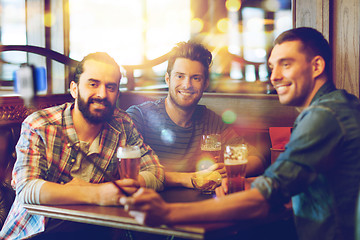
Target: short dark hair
<point>313,44</point>
<point>98,56</point>
<point>193,51</point>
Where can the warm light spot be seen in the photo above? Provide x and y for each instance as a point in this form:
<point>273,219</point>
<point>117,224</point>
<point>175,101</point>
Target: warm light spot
<point>223,25</point>
<point>233,5</point>
<point>49,20</point>
<point>197,25</point>
<point>269,21</point>
<point>255,24</point>
<point>272,5</point>
<point>260,53</point>
<point>229,117</point>
<point>204,163</point>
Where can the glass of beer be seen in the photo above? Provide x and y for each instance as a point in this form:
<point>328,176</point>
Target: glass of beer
<point>129,161</point>
<point>211,146</point>
<point>235,160</point>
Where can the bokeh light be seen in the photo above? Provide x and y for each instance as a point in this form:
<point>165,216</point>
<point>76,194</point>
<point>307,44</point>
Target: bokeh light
<point>204,163</point>
<point>233,5</point>
<point>197,25</point>
<point>229,117</point>
<point>49,20</point>
<point>167,136</point>
<point>223,25</point>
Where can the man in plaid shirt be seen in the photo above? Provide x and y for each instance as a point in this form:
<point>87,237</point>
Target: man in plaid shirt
<point>60,146</point>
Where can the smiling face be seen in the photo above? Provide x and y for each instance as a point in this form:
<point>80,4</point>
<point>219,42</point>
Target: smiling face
<point>186,83</point>
<point>96,91</point>
<point>293,74</point>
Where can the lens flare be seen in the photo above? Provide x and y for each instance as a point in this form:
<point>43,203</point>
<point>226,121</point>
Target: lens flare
<point>197,25</point>
<point>167,136</point>
<point>204,163</point>
<point>233,5</point>
<point>229,117</point>
<point>223,25</point>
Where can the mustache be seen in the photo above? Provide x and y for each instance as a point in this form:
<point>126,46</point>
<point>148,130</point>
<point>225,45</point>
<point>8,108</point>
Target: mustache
<point>103,101</point>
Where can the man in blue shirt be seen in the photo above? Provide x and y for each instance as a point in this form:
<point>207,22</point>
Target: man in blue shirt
<point>173,126</point>
<point>320,167</point>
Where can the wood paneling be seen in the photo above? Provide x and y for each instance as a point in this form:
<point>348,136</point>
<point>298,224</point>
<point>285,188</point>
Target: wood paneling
<point>346,36</point>
<point>339,22</point>
<point>313,13</point>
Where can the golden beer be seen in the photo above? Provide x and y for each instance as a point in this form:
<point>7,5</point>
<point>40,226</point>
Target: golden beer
<point>129,162</point>
<point>235,160</point>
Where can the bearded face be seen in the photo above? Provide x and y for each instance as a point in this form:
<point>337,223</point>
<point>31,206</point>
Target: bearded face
<point>95,115</point>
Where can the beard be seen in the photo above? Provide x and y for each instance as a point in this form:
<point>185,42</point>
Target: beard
<point>100,116</point>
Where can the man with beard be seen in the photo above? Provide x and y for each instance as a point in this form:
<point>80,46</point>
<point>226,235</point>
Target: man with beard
<point>173,126</point>
<point>67,155</point>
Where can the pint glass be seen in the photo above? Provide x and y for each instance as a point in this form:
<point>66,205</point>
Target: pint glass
<point>211,146</point>
<point>129,162</point>
<point>235,160</point>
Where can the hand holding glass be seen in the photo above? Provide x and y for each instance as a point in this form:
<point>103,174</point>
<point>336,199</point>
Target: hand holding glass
<point>129,162</point>
<point>235,160</point>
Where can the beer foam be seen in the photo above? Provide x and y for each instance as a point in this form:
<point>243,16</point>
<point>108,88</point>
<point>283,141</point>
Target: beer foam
<point>128,153</point>
<point>235,162</point>
<point>210,148</point>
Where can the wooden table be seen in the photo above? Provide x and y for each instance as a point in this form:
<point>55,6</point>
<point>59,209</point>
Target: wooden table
<point>117,217</point>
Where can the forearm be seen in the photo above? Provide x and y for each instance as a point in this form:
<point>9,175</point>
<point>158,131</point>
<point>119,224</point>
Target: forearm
<point>53,194</point>
<point>243,205</point>
<point>182,179</point>
<point>76,192</point>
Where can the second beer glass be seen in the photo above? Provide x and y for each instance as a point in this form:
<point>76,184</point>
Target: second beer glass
<point>235,160</point>
<point>129,162</point>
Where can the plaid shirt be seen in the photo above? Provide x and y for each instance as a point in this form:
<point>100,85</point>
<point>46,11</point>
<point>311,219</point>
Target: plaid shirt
<point>48,143</point>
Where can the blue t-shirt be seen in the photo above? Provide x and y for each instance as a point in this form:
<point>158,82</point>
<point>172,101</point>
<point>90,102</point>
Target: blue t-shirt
<point>178,148</point>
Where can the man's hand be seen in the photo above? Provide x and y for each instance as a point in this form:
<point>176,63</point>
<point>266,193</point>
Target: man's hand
<point>219,167</point>
<point>147,207</point>
<point>109,194</point>
<point>223,189</point>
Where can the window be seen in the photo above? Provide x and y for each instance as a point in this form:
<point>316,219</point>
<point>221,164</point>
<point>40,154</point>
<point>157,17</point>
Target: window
<point>130,31</point>
<point>12,31</point>
<point>239,33</point>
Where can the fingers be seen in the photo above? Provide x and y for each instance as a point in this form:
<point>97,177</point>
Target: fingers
<point>219,192</point>
<point>127,182</point>
<point>146,206</point>
<point>215,166</point>
<point>140,200</point>
<point>130,202</point>
<point>139,216</point>
<point>223,189</point>
<point>129,185</point>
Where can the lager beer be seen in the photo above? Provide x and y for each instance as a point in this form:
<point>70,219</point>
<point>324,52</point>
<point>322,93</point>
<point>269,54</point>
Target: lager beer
<point>235,160</point>
<point>211,147</point>
<point>212,152</point>
<point>129,162</point>
<point>236,173</point>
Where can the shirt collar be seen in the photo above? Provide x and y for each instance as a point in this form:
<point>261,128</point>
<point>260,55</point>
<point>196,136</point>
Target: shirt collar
<point>68,124</point>
<point>326,88</point>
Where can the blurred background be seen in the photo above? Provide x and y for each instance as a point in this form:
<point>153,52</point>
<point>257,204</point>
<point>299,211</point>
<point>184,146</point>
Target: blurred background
<point>239,33</point>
